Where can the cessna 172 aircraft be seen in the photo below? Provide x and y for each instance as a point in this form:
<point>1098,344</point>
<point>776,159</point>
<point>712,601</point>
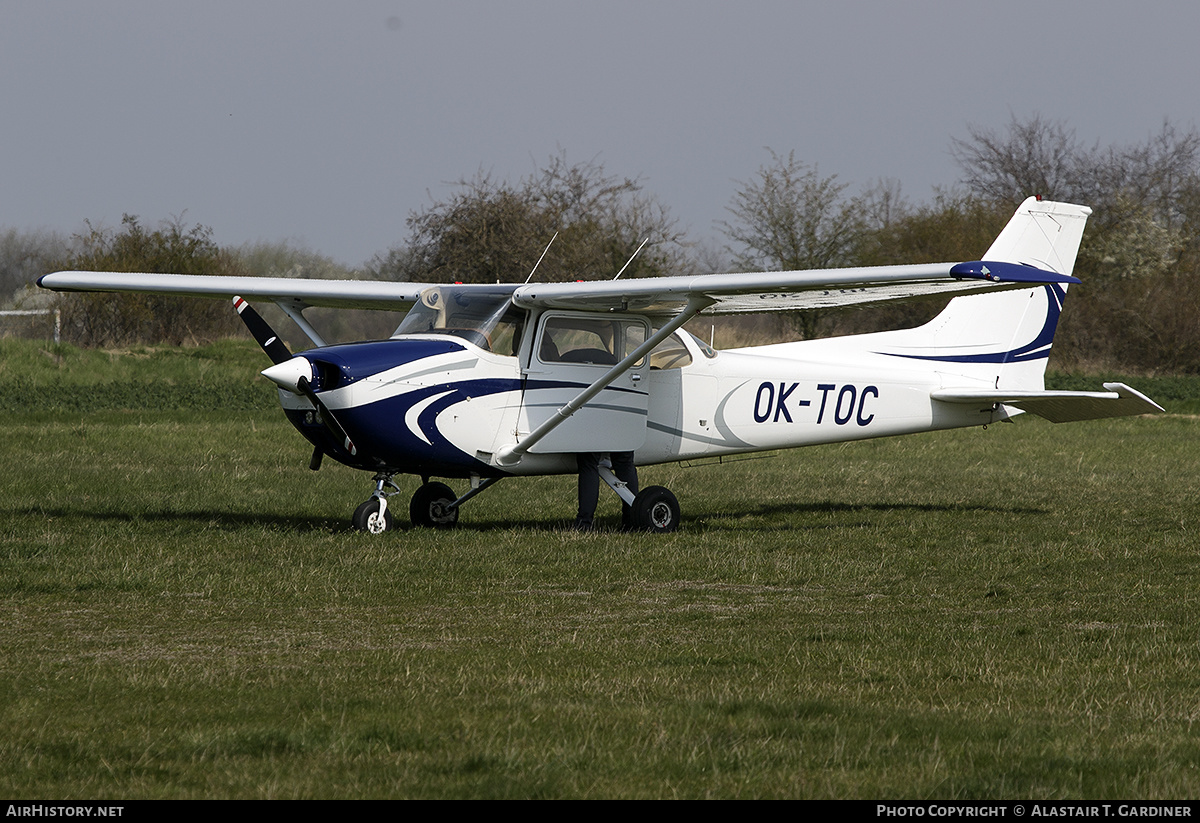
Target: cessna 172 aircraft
<point>484,382</point>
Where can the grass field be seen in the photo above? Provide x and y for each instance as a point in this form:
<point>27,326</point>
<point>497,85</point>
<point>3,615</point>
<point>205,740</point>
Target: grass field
<point>184,612</point>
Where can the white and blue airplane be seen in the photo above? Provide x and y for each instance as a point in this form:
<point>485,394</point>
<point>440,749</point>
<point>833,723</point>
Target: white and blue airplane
<point>484,382</point>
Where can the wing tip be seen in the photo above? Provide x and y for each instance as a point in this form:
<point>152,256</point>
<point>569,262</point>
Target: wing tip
<point>1002,272</point>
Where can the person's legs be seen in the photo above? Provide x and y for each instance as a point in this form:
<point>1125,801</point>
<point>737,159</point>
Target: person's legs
<point>588,465</point>
<point>626,471</point>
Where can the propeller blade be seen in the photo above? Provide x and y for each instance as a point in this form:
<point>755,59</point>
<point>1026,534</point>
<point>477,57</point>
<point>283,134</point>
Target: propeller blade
<point>275,348</point>
<point>278,351</point>
<point>326,415</point>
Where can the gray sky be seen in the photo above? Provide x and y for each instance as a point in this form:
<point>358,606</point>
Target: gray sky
<point>328,123</point>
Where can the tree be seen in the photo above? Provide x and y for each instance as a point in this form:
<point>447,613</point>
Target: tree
<point>1140,260</point>
<point>955,226</point>
<point>25,256</point>
<point>1145,197</point>
<point>1036,156</point>
<point>789,217</point>
<point>288,259</point>
<point>490,231</point>
<point>123,319</point>
<point>883,204</point>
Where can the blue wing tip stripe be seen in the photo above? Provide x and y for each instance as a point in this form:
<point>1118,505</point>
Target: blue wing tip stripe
<point>1001,272</point>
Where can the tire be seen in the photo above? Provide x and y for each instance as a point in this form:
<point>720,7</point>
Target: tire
<point>656,510</point>
<point>367,519</point>
<point>427,507</point>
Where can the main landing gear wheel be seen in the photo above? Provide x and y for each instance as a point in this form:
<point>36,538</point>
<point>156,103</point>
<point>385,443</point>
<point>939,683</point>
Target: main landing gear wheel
<point>655,509</point>
<point>368,519</point>
<point>430,506</point>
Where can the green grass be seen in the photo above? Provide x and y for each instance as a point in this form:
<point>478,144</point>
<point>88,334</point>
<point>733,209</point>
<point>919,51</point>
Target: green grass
<point>1000,613</point>
<point>1180,394</point>
<point>65,378</point>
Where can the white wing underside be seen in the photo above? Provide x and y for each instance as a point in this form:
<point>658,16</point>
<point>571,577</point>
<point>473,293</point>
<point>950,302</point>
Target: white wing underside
<point>727,293</point>
<point>753,292</point>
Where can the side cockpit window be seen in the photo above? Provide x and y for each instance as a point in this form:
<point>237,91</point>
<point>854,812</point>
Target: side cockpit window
<point>589,340</point>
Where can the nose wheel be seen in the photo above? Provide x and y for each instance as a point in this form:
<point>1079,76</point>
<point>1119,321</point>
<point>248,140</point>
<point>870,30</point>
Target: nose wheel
<point>434,506</point>
<point>374,516</point>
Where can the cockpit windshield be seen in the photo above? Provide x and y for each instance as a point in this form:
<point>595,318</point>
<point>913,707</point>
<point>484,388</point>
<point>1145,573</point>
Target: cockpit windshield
<point>483,315</point>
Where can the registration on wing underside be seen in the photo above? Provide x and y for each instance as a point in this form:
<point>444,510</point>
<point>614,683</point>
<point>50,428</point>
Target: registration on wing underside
<point>832,298</point>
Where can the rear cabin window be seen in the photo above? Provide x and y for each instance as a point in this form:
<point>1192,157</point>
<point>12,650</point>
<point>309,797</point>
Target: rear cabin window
<point>670,354</point>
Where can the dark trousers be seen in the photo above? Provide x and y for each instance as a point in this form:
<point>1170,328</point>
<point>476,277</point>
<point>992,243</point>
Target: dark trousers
<point>588,464</point>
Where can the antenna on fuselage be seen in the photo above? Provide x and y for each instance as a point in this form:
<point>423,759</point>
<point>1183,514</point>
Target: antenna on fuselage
<point>630,260</point>
<point>539,262</point>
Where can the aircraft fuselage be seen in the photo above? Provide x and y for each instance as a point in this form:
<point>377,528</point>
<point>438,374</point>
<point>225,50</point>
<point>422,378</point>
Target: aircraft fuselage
<point>441,405</point>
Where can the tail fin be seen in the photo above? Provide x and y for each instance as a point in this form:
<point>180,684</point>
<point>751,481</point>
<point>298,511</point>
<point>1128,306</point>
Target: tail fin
<point>1042,234</point>
<point>1003,338</point>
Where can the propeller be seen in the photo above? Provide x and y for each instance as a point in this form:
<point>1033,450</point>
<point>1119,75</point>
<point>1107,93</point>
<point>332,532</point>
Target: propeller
<point>326,416</point>
<point>275,348</point>
<point>291,376</point>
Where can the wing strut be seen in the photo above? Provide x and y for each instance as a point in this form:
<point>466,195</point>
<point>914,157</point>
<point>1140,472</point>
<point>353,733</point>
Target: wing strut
<point>511,455</point>
<point>295,310</point>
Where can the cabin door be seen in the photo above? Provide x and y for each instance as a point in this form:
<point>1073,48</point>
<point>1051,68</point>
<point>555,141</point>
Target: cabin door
<point>570,352</point>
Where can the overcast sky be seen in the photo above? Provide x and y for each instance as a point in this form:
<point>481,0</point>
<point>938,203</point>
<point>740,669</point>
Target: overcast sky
<point>327,123</point>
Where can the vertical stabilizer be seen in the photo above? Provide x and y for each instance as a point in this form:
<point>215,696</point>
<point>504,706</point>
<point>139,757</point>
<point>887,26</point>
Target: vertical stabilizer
<point>1003,338</point>
<point>1043,234</point>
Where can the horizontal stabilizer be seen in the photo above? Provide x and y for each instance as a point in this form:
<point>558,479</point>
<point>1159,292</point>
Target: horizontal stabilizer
<point>1061,406</point>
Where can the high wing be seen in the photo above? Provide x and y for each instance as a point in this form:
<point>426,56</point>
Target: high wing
<point>1037,246</point>
<point>719,293</point>
<point>784,290</point>
<point>299,293</point>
